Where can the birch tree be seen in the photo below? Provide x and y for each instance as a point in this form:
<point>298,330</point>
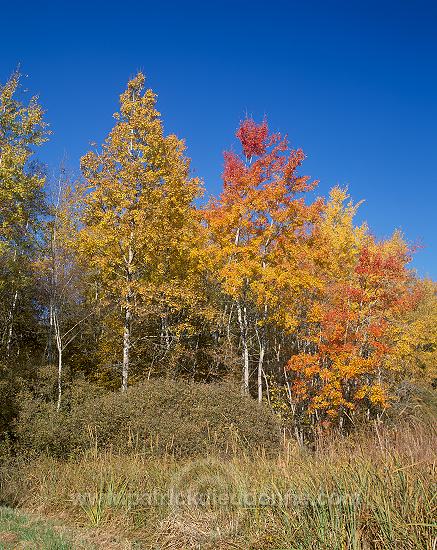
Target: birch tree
<point>62,282</point>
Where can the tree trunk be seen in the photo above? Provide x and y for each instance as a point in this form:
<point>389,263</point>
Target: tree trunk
<point>127,340</point>
<point>58,406</point>
<point>261,334</point>
<point>11,323</point>
<point>242,321</point>
<point>260,371</point>
<point>59,345</point>
<point>126,344</point>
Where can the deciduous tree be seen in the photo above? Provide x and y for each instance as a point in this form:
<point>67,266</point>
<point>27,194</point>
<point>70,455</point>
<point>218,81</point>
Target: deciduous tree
<point>261,207</point>
<point>138,226</point>
<point>22,129</point>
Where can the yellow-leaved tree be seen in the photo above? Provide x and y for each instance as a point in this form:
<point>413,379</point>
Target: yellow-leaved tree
<point>138,230</point>
<point>415,336</point>
<point>22,128</point>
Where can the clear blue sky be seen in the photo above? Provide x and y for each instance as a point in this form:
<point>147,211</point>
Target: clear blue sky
<point>353,83</point>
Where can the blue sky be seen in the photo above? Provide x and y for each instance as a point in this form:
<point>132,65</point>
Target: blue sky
<point>353,83</point>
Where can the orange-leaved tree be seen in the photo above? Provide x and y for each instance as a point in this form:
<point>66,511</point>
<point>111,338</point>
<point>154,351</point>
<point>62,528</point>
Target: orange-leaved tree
<point>345,363</point>
<point>260,207</point>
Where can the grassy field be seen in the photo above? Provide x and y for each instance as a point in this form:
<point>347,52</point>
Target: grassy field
<point>372,491</point>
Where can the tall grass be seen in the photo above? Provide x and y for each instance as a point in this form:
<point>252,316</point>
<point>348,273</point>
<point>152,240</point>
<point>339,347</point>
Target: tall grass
<point>371,491</point>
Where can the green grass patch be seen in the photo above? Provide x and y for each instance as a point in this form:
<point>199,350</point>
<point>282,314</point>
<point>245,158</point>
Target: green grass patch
<point>19,531</point>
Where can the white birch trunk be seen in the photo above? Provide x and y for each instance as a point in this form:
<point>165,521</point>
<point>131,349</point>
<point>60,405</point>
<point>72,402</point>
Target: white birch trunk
<point>11,323</point>
<point>127,341</point>
<point>242,321</point>
<point>126,345</point>
<point>260,372</point>
<point>59,347</point>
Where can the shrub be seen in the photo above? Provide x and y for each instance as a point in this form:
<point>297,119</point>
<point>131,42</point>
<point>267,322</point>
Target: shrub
<point>157,417</point>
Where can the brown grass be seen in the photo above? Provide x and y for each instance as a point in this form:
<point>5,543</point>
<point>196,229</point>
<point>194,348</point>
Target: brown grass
<point>367,491</point>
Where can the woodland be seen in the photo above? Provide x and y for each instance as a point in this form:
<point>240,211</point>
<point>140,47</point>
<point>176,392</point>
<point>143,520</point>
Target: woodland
<point>263,325</point>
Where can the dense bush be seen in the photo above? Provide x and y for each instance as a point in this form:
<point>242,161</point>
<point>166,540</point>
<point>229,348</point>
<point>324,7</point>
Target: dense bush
<point>156,417</point>
<point>11,385</point>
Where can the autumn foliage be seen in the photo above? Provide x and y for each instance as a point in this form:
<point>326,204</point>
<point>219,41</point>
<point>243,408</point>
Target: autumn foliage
<point>349,334</point>
<point>266,284</point>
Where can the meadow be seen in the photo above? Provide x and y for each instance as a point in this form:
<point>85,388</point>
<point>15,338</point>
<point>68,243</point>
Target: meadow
<point>373,489</point>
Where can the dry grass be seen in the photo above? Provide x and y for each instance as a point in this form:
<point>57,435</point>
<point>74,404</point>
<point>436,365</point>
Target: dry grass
<point>374,491</point>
